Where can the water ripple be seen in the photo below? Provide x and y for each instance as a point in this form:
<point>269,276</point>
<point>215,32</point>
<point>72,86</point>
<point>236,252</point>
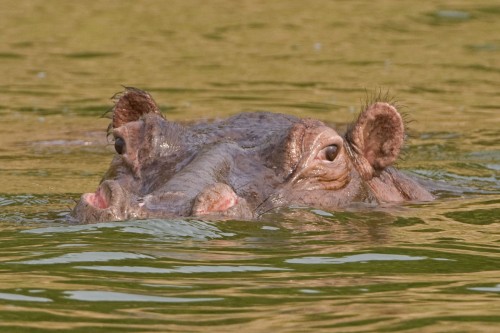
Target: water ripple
<point>111,296</point>
<point>17,297</point>
<point>357,258</point>
<point>183,269</point>
<point>160,229</point>
<point>84,257</point>
<point>495,289</point>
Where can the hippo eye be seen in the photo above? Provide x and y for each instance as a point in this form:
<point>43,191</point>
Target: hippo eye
<point>331,152</point>
<point>120,145</point>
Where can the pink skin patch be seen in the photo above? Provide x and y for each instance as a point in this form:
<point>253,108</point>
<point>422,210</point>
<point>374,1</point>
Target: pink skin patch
<point>215,198</point>
<point>224,204</point>
<point>97,199</point>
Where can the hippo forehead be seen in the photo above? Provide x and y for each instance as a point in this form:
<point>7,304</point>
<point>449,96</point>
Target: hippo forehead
<point>277,141</point>
<point>260,131</point>
<point>153,137</point>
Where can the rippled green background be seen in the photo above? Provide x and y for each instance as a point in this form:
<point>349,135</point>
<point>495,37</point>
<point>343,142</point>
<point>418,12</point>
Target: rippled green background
<point>416,268</point>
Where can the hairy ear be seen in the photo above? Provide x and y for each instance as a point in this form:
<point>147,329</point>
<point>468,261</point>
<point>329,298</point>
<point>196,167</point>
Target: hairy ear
<point>376,138</point>
<point>131,104</point>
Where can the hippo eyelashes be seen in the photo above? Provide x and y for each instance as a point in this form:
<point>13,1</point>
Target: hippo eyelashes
<point>329,153</point>
<point>120,145</point>
<point>245,166</point>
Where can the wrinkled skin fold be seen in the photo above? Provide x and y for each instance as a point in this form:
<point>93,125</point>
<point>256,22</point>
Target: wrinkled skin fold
<point>246,165</point>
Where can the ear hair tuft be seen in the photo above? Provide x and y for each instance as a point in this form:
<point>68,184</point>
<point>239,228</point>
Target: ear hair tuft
<point>131,105</point>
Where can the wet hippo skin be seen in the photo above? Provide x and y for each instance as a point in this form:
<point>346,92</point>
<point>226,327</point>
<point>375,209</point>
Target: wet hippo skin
<point>246,165</point>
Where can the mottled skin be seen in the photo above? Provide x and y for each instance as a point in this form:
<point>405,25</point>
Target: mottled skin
<point>245,166</point>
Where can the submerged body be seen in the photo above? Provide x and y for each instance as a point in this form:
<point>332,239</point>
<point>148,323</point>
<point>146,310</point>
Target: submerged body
<point>246,165</point>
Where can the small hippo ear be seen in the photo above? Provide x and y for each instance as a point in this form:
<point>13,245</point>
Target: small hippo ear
<point>130,105</point>
<point>376,138</point>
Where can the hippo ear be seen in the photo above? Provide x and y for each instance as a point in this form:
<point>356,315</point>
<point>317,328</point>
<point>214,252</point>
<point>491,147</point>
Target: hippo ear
<point>376,138</point>
<point>131,104</point>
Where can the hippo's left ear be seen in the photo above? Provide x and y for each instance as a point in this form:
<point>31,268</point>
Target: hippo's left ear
<point>131,104</point>
<point>376,139</point>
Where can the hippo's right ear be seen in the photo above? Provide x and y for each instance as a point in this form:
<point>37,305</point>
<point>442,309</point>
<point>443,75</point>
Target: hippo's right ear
<point>130,105</point>
<point>376,138</point>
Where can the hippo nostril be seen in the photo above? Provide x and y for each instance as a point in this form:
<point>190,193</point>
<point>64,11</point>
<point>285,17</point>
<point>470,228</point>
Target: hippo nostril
<point>104,197</point>
<point>105,204</point>
<point>97,199</point>
<point>215,198</point>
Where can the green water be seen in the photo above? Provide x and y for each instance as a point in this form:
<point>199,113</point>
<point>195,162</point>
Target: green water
<point>431,267</point>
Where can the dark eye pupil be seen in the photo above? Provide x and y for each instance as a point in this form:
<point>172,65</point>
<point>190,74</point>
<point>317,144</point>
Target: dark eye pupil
<point>120,145</point>
<point>331,152</point>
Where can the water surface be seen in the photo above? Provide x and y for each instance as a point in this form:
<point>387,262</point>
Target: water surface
<point>430,267</point>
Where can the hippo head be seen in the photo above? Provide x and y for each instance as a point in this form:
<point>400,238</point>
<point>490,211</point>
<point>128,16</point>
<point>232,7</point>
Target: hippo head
<point>244,166</point>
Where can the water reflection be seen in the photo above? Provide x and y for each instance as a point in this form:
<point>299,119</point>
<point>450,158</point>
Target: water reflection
<point>85,256</point>
<point>158,229</point>
<point>23,298</point>
<point>357,258</point>
<point>183,269</point>
<point>107,296</point>
<point>494,289</point>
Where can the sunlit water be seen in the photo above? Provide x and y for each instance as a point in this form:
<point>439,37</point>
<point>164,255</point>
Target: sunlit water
<point>431,267</point>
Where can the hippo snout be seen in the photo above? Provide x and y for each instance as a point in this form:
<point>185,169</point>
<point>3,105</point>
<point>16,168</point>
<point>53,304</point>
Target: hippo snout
<point>107,203</point>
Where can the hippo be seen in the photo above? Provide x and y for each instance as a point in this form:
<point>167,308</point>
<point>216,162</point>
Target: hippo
<point>245,166</point>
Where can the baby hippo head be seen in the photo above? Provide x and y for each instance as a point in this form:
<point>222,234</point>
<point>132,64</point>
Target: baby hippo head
<point>246,165</point>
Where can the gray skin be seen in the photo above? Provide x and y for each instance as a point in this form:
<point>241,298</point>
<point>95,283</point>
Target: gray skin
<point>246,165</point>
